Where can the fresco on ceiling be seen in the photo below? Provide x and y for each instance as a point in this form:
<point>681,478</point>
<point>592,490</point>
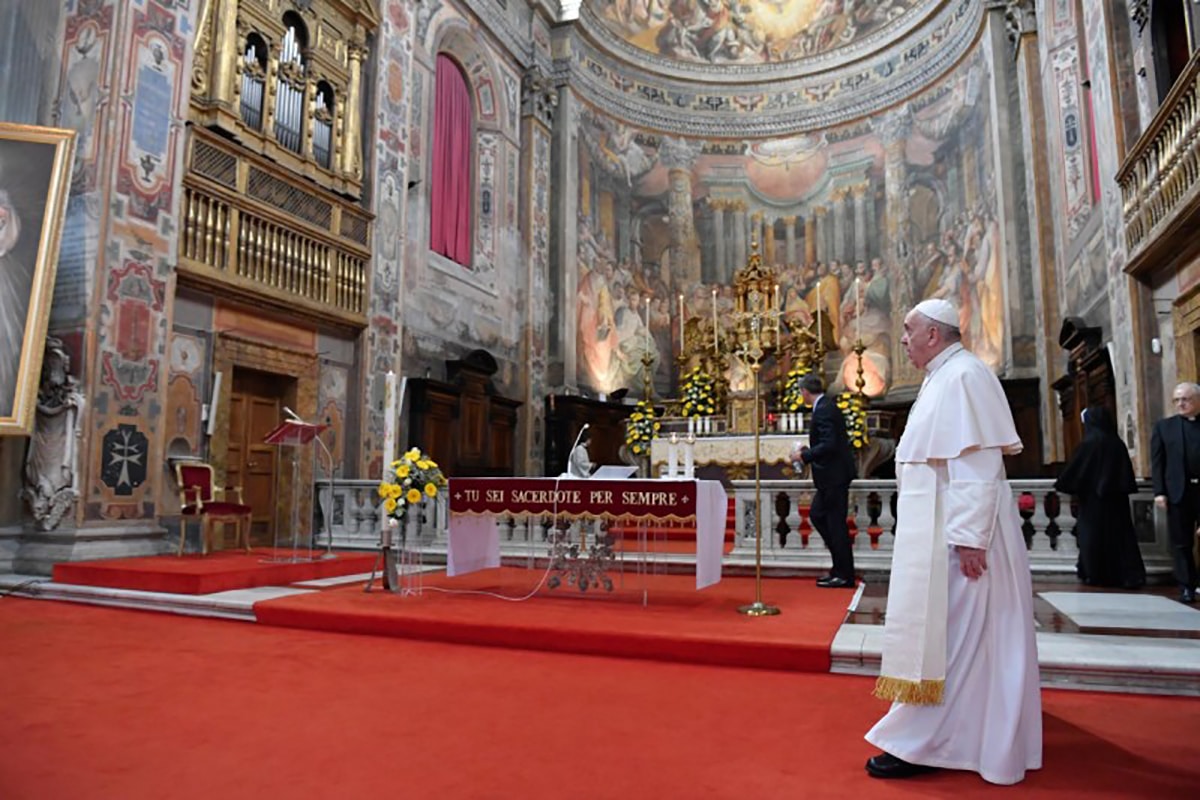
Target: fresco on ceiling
<point>745,31</point>
<point>903,203</point>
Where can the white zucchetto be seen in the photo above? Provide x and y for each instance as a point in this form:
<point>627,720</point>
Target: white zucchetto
<point>938,310</point>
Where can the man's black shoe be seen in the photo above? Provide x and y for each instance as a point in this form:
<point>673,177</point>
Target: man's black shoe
<point>1185,595</point>
<point>832,582</point>
<point>886,765</point>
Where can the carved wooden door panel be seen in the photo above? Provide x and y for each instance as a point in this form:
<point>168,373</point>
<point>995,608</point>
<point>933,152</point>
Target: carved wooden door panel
<point>255,409</point>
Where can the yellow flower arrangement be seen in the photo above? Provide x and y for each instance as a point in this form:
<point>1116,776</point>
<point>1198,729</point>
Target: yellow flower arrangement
<point>854,410</point>
<point>699,394</point>
<point>413,477</point>
<point>793,399</point>
<point>641,428</point>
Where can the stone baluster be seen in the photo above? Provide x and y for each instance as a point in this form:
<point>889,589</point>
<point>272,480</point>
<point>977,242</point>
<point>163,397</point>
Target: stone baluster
<point>862,516</point>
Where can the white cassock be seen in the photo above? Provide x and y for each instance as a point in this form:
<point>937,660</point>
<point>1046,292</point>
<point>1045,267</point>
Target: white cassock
<point>979,634</point>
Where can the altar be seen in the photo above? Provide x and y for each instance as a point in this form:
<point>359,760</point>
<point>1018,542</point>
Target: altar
<point>732,457</point>
<point>477,503</point>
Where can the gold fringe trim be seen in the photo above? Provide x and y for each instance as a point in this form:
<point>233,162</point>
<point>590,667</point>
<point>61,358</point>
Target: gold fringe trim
<point>917,693</point>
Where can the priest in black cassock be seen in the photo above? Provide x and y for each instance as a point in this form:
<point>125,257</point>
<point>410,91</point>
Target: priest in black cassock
<point>1100,475</point>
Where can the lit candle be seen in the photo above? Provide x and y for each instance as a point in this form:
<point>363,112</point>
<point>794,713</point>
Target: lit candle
<point>681,312</point>
<point>819,337</point>
<point>716,326</point>
<point>858,306</point>
<point>777,297</point>
<point>647,326</point>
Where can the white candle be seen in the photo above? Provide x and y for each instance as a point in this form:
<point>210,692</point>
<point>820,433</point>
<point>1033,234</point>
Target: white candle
<point>681,312</point>
<point>647,325</point>
<point>389,423</point>
<point>716,328</point>
<point>819,337</point>
<point>858,306</point>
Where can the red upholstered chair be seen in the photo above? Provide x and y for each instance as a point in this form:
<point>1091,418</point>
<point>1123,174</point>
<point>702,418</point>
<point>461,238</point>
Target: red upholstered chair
<point>199,499</point>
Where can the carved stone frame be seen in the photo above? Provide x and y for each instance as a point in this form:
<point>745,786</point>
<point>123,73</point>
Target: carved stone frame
<point>230,351</point>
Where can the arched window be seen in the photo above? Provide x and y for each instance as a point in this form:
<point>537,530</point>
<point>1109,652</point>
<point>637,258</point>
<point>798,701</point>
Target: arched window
<point>323,124</point>
<point>1169,37</point>
<point>254,77</point>
<point>450,193</point>
<point>289,85</point>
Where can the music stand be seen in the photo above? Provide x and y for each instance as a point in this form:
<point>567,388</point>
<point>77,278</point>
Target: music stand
<point>296,434</point>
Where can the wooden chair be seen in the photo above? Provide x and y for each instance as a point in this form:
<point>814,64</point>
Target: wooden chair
<point>199,498</point>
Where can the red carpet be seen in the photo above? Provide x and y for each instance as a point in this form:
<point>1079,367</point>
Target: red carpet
<point>216,572</point>
<point>679,624</point>
<point>101,704</point>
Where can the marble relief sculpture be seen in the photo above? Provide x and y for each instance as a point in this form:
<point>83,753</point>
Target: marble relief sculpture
<point>51,474</point>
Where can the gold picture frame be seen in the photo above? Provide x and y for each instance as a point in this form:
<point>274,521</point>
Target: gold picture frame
<point>35,172</point>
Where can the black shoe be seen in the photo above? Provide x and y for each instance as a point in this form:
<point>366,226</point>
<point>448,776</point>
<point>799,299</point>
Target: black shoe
<point>833,582</point>
<point>886,765</point>
<point>1185,595</point>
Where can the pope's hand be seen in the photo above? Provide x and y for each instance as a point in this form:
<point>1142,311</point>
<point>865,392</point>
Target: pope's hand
<point>972,560</point>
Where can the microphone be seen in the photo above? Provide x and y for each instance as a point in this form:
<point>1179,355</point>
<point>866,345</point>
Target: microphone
<point>578,436</point>
<point>292,414</point>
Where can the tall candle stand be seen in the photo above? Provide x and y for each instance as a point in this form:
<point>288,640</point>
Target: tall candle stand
<point>861,382</point>
<point>756,335</point>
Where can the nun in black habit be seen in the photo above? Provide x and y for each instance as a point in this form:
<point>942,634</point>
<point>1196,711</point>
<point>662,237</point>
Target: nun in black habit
<point>1100,475</point>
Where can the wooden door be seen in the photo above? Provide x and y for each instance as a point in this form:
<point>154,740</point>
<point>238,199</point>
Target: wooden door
<point>256,407</point>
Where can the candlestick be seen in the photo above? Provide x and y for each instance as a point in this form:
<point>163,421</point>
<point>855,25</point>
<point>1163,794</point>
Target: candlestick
<point>858,306</point>
<point>716,326</point>
<point>681,312</point>
<point>820,343</point>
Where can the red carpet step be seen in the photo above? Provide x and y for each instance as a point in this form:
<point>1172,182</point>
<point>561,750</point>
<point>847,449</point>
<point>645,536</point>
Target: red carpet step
<point>216,572</point>
<point>679,624</point>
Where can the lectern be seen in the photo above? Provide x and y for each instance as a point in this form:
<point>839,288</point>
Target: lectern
<point>296,434</point>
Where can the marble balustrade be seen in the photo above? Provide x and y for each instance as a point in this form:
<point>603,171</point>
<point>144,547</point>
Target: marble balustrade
<point>789,542</point>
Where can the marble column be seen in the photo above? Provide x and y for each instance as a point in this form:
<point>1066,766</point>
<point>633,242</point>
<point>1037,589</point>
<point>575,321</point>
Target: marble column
<point>821,225</point>
<point>790,239</point>
<point>874,246</point>
<point>839,225</point>
<point>769,252</point>
<point>718,217</point>
<point>739,236</point>
<point>679,156</point>
<point>810,237</point>
<point>859,194</point>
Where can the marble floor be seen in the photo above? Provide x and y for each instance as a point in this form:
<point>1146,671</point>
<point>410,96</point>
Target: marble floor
<point>1141,641</point>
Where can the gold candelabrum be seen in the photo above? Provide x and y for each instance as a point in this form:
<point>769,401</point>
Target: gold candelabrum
<point>756,334</point>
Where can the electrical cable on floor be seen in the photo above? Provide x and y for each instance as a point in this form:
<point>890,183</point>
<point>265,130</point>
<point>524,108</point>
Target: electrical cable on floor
<point>535,589</point>
<point>22,586</point>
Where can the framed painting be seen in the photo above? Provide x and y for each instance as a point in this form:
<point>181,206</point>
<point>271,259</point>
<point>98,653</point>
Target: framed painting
<point>35,171</point>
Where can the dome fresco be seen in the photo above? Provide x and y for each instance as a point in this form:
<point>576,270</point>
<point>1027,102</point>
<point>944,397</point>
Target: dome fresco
<point>746,31</point>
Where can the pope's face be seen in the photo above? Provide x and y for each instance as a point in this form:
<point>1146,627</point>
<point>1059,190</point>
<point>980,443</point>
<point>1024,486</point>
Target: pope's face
<point>921,340</point>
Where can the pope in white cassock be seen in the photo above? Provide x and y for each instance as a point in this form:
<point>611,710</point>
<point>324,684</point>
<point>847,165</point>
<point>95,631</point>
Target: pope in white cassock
<point>959,653</point>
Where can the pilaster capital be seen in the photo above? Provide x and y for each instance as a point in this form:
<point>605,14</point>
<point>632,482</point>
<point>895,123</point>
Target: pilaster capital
<point>539,97</point>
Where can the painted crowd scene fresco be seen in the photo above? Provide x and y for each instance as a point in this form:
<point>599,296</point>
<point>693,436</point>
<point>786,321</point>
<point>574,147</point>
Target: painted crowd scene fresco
<point>746,31</point>
<point>857,223</point>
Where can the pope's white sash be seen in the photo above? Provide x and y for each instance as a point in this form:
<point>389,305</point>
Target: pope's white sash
<point>914,647</point>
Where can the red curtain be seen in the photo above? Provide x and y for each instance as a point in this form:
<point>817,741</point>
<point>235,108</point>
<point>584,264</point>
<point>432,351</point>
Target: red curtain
<point>450,195</point>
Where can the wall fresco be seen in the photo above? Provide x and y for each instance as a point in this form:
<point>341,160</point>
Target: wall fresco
<point>746,31</point>
<point>871,216</point>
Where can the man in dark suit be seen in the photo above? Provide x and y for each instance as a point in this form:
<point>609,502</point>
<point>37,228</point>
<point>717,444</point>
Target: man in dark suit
<point>833,468</point>
<point>1175,466</point>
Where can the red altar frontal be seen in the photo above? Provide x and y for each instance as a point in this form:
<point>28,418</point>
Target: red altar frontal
<point>475,503</point>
